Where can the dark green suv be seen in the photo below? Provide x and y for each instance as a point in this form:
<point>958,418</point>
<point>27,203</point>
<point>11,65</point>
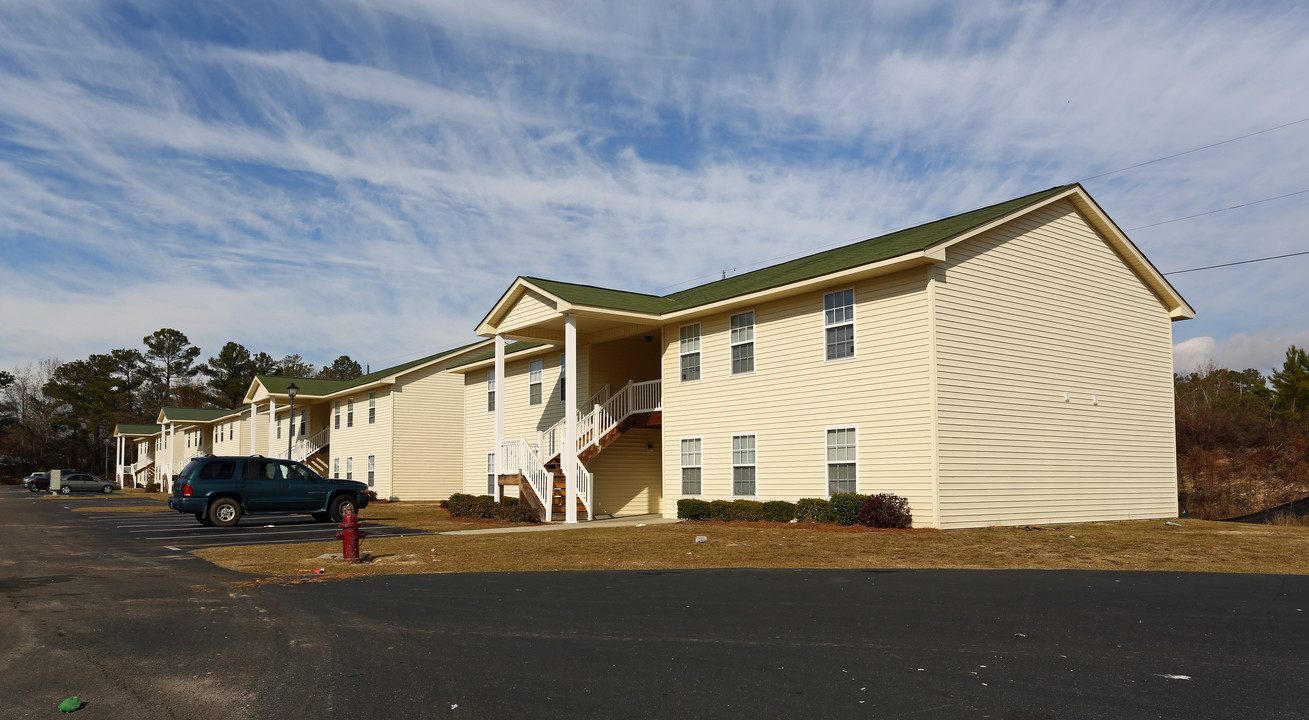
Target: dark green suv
<point>219,490</point>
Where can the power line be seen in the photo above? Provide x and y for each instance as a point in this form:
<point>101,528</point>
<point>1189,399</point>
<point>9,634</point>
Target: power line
<point>1211,212</point>
<point>1242,262</point>
<point>1188,152</point>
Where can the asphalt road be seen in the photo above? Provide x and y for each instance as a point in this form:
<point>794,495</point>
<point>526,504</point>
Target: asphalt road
<point>142,632</point>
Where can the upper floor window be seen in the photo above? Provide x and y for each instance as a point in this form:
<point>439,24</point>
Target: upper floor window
<point>350,412</point>
<point>304,422</point>
<point>490,391</point>
<point>689,349</point>
<point>336,415</point>
<point>534,371</point>
<point>742,343</point>
<point>563,373</point>
<point>838,323</point>
<point>372,408</point>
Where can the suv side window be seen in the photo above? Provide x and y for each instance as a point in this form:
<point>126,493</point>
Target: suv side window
<point>261,470</point>
<point>298,472</point>
<point>218,470</point>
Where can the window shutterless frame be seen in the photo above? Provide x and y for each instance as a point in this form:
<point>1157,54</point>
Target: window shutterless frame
<point>563,373</point>
<point>372,408</point>
<point>535,369</point>
<point>336,415</point>
<point>838,325</point>
<point>842,460</point>
<point>350,468</point>
<point>741,339</point>
<point>689,352</point>
<point>490,474</point>
<point>372,467</point>
<point>490,391</point>
<point>692,463</point>
<point>350,412</point>
<point>745,456</point>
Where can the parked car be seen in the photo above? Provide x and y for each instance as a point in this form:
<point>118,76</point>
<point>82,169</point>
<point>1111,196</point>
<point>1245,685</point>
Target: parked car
<point>37,482</point>
<point>74,482</point>
<point>26,482</point>
<point>219,490</point>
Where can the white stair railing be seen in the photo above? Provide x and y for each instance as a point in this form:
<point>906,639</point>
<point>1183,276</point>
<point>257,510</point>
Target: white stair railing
<point>551,442</point>
<point>634,398</point>
<point>302,448</point>
<point>520,458</point>
<point>584,486</point>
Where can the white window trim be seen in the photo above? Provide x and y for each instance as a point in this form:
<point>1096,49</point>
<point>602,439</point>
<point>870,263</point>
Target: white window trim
<point>350,412</point>
<point>336,415</point>
<point>563,370</point>
<point>372,408</point>
<point>372,471</point>
<point>754,345</point>
<point>304,422</point>
<point>539,383</point>
<point>698,351</point>
<point>827,482</point>
<point>336,468</point>
<point>681,467</point>
<point>731,461</point>
<point>490,474</point>
<point>490,391</point>
<point>350,468</point>
<point>854,304</point>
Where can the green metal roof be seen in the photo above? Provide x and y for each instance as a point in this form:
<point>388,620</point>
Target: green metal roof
<point>884,247</point>
<point>319,387</point>
<point>129,429</point>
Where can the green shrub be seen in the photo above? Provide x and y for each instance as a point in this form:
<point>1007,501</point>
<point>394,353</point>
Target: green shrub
<point>886,511</point>
<point>779,511</point>
<point>517,512</point>
<point>692,509</point>
<point>813,510</point>
<point>747,510</point>
<point>721,510</point>
<point>152,486</point>
<point>846,507</point>
<point>482,507</point>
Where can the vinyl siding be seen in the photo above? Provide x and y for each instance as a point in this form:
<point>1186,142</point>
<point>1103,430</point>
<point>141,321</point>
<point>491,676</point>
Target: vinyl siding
<point>626,475</point>
<point>621,361</point>
<point>1027,312</point>
<point>794,395</point>
<point>532,307</point>
<point>234,436</point>
<point>429,435</point>
<point>521,419</point>
<point>364,439</point>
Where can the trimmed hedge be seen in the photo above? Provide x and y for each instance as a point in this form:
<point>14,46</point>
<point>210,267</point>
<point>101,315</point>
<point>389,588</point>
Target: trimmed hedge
<point>813,510</point>
<point>886,511</point>
<point>845,507</point>
<point>779,511</point>
<point>693,509</point>
<point>484,507</point>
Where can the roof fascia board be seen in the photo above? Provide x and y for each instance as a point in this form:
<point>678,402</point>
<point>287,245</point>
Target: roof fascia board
<point>393,378</point>
<point>530,352</point>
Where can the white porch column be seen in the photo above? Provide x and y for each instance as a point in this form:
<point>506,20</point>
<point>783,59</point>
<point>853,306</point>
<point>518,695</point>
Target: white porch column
<point>272,426</point>
<point>254,413</point>
<point>118,468</point>
<point>500,398</point>
<point>568,454</point>
<point>172,442</point>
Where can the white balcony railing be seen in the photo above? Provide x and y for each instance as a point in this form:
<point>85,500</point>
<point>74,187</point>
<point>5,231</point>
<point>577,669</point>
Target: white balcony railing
<point>304,446</point>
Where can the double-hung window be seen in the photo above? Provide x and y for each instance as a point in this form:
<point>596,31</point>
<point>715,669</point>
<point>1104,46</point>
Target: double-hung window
<point>350,412</point>
<point>563,373</point>
<point>490,391</point>
<point>838,323</point>
<point>490,474</point>
<point>689,347</point>
<point>742,343</point>
<point>842,462</point>
<point>350,468</point>
<point>534,370</point>
<point>304,422</point>
<point>743,465</point>
<point>336,467</point>
<point>691,466</point>
<point>336,415</point>
<point>372,467</point>
<point>372,408</point>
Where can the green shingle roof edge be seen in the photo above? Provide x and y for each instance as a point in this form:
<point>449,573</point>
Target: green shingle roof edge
<point>510,349</point>
<point>130,429</point>
<point>864,252</point>
<point>317,387</point>
<point>197,414</point>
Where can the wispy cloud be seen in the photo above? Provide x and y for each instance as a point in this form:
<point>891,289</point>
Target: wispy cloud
<point>367,177</point>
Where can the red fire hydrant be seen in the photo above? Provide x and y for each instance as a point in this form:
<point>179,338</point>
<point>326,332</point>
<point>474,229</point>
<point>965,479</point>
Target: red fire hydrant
<point>350,535</point>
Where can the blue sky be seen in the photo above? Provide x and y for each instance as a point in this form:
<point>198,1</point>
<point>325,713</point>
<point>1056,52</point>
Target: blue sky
<point>365,177</point>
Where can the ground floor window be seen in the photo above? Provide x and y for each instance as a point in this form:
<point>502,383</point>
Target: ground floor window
<point>350,468</point>
<point>691,466</point>
<point>842,465</point>
<point>372,467</point>
<point>490,474</point>
<point>336,467</point>
<point>743,465</point>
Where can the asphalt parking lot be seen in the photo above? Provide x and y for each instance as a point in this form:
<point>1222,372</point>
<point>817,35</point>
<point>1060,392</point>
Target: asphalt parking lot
<point>176,531</point>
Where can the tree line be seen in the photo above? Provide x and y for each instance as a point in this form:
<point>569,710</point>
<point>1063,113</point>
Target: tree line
<point>62,414</point>
<point>1242,437</point>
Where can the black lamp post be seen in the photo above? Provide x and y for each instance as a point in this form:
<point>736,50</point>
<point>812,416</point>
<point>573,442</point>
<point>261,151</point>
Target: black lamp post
<point>291,390</point>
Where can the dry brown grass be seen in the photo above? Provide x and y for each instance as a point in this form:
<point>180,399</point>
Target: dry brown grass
<point>1196,546</point>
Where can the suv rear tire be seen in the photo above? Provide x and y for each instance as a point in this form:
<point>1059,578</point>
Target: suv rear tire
<point>339,505</point>
<point>224,512</point>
